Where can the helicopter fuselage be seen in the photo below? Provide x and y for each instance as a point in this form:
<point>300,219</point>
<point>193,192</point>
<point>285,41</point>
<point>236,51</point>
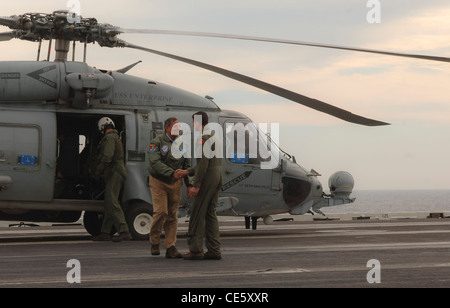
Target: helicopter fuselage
<point>48,140</point>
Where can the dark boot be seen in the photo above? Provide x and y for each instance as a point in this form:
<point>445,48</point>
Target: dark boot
<point>194,256</point>
<point>155,250</point>
<point>172,253</point>
<point>102,237</point>
<point>210,256</point>
<point>124,236</point>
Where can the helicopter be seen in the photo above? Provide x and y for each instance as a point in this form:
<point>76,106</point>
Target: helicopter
<point>48,131</point>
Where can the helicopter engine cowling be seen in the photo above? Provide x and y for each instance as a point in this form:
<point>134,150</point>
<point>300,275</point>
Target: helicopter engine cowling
<point>341,184</point>
<point>44,82</point>
<point>29,81</point>
<point>86,86</point>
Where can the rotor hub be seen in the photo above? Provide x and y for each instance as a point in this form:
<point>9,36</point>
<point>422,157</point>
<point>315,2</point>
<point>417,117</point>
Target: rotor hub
<point>59,25</point>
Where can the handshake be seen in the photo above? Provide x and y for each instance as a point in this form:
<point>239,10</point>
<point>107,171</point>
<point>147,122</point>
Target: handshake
<point>179,174</point>
<point>191,191</point>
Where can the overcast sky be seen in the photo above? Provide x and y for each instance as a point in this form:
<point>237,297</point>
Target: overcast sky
<point>412,95</point>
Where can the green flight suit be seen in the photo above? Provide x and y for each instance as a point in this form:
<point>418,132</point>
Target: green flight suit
<point>111,165</point>
<point>203,223</point>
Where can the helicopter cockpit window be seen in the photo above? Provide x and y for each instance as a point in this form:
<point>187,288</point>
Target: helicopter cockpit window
<point>243,143</point>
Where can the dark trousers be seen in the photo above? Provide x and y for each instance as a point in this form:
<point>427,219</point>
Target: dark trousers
<point>203,223</point>
<point>113,211</point>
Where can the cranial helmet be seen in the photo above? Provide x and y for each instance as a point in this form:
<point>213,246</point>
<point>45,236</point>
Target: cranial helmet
<point>104,122</point>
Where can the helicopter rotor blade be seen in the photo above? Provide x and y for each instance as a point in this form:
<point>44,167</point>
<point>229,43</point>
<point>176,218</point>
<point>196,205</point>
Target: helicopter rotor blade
<point>6,36</point>
<point>298,98</point>
<point>9,22</point>
<point>281,41</point>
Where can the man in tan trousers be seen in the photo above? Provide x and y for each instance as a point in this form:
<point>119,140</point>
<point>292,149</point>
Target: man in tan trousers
<point>166,185</point>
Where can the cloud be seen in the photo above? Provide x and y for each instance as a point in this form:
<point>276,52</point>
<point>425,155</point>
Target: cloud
<point>426,31</point>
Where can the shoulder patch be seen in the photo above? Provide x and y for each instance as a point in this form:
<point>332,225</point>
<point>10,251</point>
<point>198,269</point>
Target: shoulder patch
<point>153,147</point>
<point>165,148</point>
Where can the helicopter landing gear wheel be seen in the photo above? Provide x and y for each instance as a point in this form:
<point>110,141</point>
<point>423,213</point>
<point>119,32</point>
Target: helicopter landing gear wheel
<point>268,220</point>
<point>93,222</point>
<point>140,219</point>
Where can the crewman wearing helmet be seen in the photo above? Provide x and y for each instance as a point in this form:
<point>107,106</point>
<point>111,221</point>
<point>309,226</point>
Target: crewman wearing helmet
<point>111,166</point>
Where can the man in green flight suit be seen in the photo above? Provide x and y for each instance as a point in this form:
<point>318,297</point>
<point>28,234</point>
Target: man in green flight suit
<point>166,185</point>
<point>111,165</point>
<point>203,223</point>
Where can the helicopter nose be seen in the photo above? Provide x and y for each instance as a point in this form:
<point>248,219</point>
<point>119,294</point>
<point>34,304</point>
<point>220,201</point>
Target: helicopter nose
<point>295,191</point>
<point>296,185</point>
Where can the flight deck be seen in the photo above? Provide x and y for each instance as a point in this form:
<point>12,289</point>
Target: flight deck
<point>406,252</point>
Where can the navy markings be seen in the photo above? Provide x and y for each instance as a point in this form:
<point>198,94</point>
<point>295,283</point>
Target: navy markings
<point>37,75</point>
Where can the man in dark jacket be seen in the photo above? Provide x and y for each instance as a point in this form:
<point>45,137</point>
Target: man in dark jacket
<point>203,223</point>
<point>166,186</point>
<point>111,165</point>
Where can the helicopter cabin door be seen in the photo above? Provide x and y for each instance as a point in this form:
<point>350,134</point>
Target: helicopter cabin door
<point>28,154</point>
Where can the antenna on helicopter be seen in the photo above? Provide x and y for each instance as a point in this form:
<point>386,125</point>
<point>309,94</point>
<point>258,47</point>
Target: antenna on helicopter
<point>39,50</point>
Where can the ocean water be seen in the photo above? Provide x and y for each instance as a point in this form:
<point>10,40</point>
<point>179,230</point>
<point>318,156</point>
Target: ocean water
<point>395,201</point>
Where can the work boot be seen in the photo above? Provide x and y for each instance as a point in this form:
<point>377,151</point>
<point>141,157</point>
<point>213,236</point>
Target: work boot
<point>172,253</point>
<point>210,256</point>
<point>124,236</point>
<point>194,256</point>
<point>102,237</point>
<point>155,250</point>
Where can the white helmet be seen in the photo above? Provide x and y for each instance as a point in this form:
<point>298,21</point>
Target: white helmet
<point>103,122</point>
